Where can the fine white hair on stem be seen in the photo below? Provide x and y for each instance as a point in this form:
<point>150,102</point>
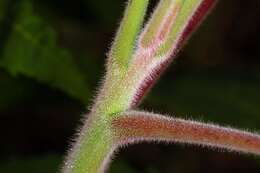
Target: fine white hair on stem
<point>136,126</point>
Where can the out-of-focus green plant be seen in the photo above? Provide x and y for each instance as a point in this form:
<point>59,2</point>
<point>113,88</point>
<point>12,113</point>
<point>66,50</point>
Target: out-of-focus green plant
<point>31,50</point>
<point>137,58</point>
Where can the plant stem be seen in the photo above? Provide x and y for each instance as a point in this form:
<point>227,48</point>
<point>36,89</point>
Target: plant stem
<point>136,126</point>
<point>92,149</point>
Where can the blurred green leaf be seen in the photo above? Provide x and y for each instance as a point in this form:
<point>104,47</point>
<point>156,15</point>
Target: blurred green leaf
<point>31,50</point>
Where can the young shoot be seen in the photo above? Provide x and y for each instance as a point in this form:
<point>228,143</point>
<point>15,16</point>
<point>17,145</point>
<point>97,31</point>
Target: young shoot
<point>138,56</point>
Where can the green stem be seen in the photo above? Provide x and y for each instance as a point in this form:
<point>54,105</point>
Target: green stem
<point>92,150</point>
<point>131,24</point>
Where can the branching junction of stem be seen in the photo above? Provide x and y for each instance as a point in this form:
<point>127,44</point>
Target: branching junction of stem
<point>137,58</point>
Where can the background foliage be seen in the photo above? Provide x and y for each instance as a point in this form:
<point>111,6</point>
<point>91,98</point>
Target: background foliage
<point>52,56</point>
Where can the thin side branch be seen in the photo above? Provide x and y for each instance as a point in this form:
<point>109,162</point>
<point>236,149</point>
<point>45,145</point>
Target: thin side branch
<point>129,29</point>
<point>134,126</point>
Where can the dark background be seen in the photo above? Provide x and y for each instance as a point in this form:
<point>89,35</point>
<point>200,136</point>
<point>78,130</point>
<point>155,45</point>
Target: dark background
<point>52,56</point>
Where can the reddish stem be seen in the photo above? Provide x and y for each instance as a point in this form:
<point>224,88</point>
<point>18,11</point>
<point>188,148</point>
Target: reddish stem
<point>135,127</point>
<point>197,18</point>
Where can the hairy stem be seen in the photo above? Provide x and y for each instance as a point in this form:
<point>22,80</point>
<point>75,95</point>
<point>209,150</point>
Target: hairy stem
<point>131,24</point>
<point>135,126</point>
<point>92,150</point>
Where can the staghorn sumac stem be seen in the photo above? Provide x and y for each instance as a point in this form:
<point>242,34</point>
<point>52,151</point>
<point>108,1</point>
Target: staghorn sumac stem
<point>134,127</point>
